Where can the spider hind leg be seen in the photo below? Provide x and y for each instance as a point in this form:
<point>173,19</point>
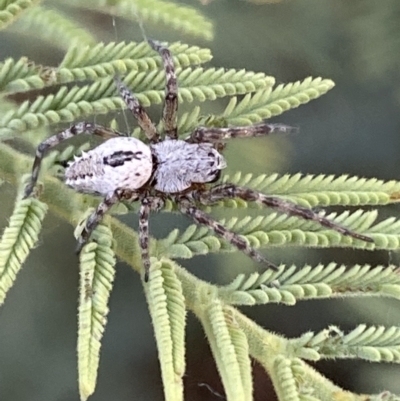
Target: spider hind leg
<point>231,237</point>
<point>224,191</point>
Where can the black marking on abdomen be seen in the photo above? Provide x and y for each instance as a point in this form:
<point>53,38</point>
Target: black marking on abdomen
<point>119,158</point>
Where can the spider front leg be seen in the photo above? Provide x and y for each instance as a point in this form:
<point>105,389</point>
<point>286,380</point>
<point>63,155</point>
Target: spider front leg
<point>76,129</point>
<point>224,191</point>
<point>148,204</point>
<point>95,218</point>
<point>236,240</point>
<point>170,110</point>
<point>211,134</point>
<point>133,104</point>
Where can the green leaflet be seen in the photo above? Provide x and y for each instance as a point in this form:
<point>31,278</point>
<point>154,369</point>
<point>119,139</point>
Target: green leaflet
<point>272,102</point>
<point>18,239</point>
<point>167,308</point>
<point>291,284</point>
<point>373,343</point>
<point>97,273</point>
<point>324,190</point>
<point>89,62</point>
<point>174,16</point>
<point>230,350</point>
<point>140,54</point>
<point>10,10</point>
<point>100,97</point>
<point>283,378</point>
<point>182,18</point>
<point>52,27</point>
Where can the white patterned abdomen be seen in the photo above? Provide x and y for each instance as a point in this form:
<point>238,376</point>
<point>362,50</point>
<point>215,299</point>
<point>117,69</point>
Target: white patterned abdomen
<point>118,163</point>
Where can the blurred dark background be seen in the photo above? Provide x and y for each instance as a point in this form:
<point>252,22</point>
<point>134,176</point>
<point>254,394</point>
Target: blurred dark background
<point>353,129</point>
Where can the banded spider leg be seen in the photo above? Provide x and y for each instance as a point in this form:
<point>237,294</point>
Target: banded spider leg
<point>235,239</point>
<point>229,191</point>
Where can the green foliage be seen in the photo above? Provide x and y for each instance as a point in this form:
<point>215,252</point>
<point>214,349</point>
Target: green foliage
<point>18,239</point>
<point>11,9</point>
<point>310,190</point>
<point>60,30</point>
<point>309,282</point>
<point>374,344</point>
<point>96,279</point>
<point>81,87</point>
<point>167,308</point>
<point>265,104</point>
<point>179,17</point>
<point>230,350</point>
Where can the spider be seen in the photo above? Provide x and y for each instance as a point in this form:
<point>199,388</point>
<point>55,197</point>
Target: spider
<point>126,169</point>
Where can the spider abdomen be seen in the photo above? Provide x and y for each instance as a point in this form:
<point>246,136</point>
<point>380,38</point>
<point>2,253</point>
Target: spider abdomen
<point>181,164</point>
<point>118,163</point>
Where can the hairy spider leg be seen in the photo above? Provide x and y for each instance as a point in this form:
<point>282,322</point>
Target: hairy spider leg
<point>76,129</point>
<point>212,134</point>
<point>144,214</point>
<point>95,218</point>
<point>147,205</point>
<point>231,237</point>
<point>223,191</point>
<point>138,111</point>
<point>170,110</point>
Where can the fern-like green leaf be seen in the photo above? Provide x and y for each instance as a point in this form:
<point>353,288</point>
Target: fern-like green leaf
<point>374,343</point>
<point>176,16</point>
<point>167,309</point>
<point>141,55</point>
<point>239,341</point>
<point>11,70</point>
<point>272,102</point>
<point>228,346</point>
<point>290,284</point>
<point>319,190</point>
<point>18,239</point>
<point>283,379</point>
<point>198,83</point>
<point>11,9</point>
<point>97,273</point>
<point>84,62</point>
<point>59,30</point>
<point>100,97</point>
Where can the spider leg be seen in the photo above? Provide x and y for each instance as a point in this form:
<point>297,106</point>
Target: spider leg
<point>232,191</point>
<point>133,104</point>
<point>144,213</point>
<point>233,238</point>
<point>95,218</point>
<point>212,134</point>
<point>148,204</point>
<point>170,110</point>
<point>76,129</point>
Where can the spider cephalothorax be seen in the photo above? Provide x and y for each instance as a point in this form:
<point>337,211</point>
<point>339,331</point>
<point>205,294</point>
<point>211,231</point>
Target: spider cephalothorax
<point>125,168</point>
